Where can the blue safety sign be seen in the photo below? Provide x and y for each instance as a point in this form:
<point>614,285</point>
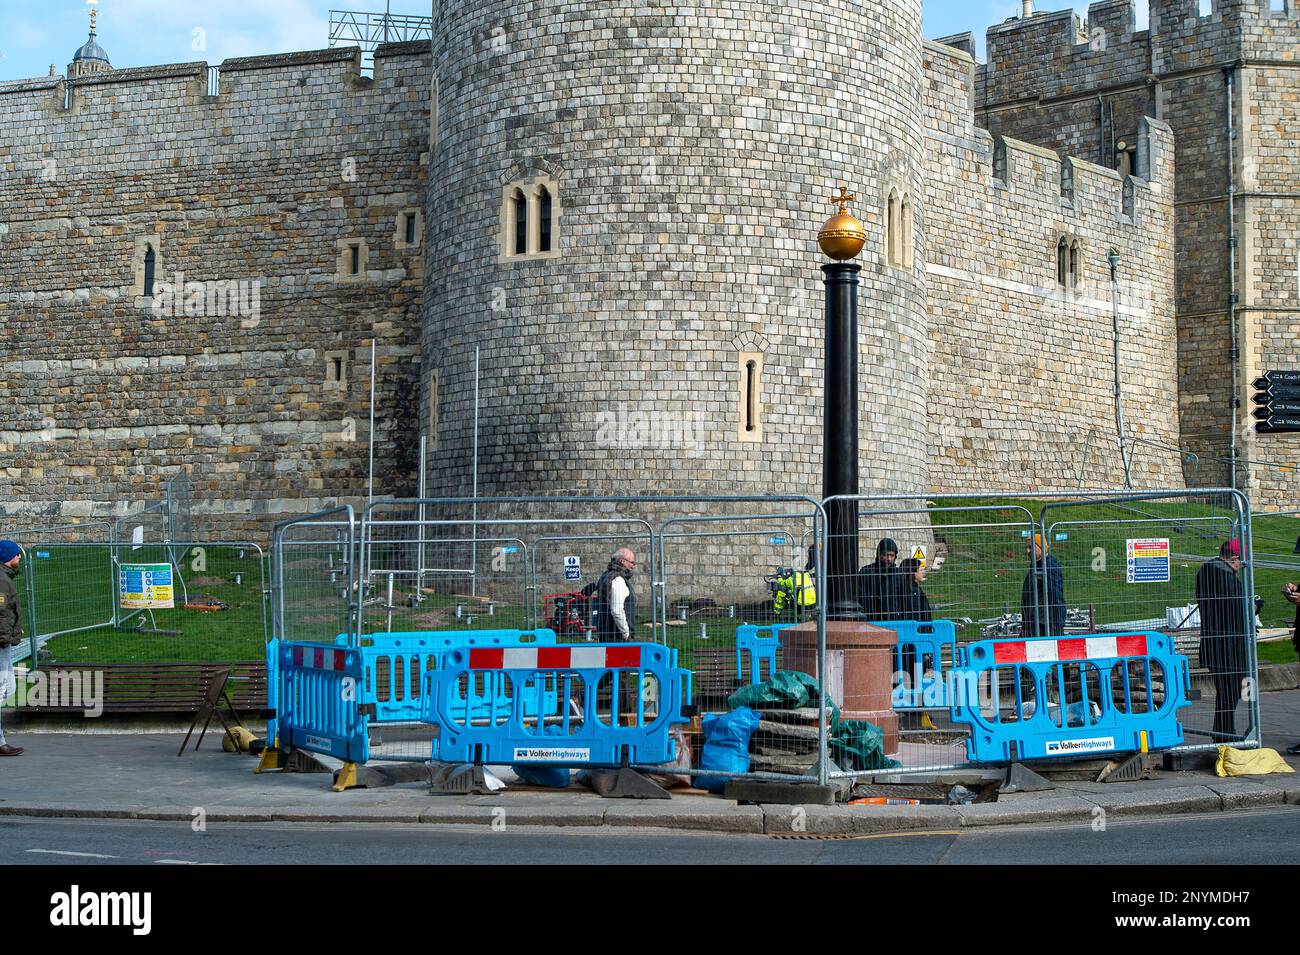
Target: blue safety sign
<point>573,568</point>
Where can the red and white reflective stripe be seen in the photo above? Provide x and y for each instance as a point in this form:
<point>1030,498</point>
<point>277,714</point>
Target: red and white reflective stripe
<point>1079,648</point>
<point>320,658</point>
<point>554,658</point>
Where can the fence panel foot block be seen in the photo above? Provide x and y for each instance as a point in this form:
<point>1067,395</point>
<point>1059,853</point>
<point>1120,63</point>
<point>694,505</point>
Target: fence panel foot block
<point>625,784</point>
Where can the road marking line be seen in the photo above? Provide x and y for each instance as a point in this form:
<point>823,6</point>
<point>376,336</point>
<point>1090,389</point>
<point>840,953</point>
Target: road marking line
<point>82,855</point>
<point>181,862</point>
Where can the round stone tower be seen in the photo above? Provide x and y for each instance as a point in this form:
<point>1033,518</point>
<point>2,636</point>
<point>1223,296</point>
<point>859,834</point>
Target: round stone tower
<point>622,214</point>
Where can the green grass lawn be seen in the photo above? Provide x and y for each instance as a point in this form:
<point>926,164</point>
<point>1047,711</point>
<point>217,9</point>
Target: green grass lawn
<point>74,588</point>
<point>981,577</point>
<point>1093,558</point>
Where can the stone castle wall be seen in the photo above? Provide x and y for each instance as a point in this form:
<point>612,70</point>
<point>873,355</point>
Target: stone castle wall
<point>1022,388</point>
<point>105,400</point>
<point>1079,90</point>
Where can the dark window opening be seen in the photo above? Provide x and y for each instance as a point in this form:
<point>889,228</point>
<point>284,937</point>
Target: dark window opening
<point>1062,263</point>
<point>544,213</point>
<point>521,223</point>
<point>150,261</point>
<point>410,229</point>
<point>355,261</point>
<point>751,396</point>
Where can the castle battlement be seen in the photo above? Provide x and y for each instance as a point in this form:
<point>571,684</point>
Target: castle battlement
<point>1016,167</point>
<point>1058,54</point>
<point>245,79</point>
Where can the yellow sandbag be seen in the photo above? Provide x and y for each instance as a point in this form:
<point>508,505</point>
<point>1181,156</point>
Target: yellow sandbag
<point>1250,762</point>
<point>242,736</point>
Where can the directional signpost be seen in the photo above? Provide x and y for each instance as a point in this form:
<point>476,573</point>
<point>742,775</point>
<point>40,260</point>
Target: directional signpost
<point>1277,394</point>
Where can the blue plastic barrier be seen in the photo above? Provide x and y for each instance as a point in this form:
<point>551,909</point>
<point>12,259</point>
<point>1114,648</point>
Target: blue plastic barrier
<point>273,689</point>
<point>922,643</point>
<point>396,662</point>
<point>318,705</point>
<point>761,643</point>
<point>1056,697</point>
<point>587,737</point>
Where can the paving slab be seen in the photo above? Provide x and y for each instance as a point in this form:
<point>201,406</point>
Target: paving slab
<point>1242,793</point>
<point>1119,800</point>
<point>1047,807</point>
<point>879,819</point>
<point>807,820</point>
<point>683,813</point>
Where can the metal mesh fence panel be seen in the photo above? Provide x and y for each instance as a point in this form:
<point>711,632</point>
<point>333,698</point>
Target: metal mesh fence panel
<point>1178,564</point>
<point>84,614</point>
<point>313,569</point>
<point>938,574</point>
<point>471,567</point>
<point>67,582</point>
<point>1089,565</point>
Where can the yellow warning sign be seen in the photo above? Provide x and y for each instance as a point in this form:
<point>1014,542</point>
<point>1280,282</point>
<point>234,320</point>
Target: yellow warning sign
<point>919,554</point>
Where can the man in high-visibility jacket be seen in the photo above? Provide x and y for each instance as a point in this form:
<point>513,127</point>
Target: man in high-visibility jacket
<point>793,589</point>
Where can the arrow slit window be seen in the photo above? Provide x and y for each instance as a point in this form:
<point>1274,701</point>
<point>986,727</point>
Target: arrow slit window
<point>750,396</point>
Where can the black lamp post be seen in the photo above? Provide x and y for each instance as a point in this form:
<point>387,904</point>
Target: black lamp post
<point>841,239</point>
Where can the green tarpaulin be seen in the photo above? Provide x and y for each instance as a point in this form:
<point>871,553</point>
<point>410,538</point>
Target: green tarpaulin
<point>854,744</point>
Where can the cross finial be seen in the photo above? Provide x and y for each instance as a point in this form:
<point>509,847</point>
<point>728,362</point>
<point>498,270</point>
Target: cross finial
<point>93,14</point>
<point>844,198</point>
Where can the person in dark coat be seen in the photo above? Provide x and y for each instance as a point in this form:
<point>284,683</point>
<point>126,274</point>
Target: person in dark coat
<point>1221,600</point>
<point>616,601</point>
<point>11,628</point>
<point>916,605</point>
<point>881,584</point>
<point>1046,616</point>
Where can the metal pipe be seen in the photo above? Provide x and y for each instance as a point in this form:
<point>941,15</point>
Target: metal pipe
<point>1119,406</point>
<point>473,551</point>
<point>370,480</point>
<point>419,560</point>
<point>1235,354</point>
<point>1101,131</point>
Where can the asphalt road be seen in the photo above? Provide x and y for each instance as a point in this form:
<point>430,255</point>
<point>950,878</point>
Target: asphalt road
<point>1256,837</point>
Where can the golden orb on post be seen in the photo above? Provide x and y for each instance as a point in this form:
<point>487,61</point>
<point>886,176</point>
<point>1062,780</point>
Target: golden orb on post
<point>843,235</point>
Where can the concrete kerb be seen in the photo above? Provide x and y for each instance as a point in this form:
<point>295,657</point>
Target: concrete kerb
<point>133,777</point>
<point>841,820</point>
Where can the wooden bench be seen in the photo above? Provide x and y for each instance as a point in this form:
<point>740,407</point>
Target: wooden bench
<point>153,687</point>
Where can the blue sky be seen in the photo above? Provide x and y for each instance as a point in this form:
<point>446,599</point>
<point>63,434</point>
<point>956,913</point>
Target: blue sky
<point>36,33</point>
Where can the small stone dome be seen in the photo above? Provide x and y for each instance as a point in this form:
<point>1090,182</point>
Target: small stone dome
<point>91,58</point>
<point>91,50</point>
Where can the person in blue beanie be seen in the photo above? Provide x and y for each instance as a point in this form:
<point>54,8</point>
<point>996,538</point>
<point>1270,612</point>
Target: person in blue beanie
<point>11,628</point>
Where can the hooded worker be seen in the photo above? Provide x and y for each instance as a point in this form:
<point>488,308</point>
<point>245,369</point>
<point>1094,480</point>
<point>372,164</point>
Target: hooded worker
<point>882,586</point>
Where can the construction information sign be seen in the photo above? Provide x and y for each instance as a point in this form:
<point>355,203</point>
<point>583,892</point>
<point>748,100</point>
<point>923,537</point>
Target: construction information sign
<point>1148,560</point>
<point>146,587</point>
